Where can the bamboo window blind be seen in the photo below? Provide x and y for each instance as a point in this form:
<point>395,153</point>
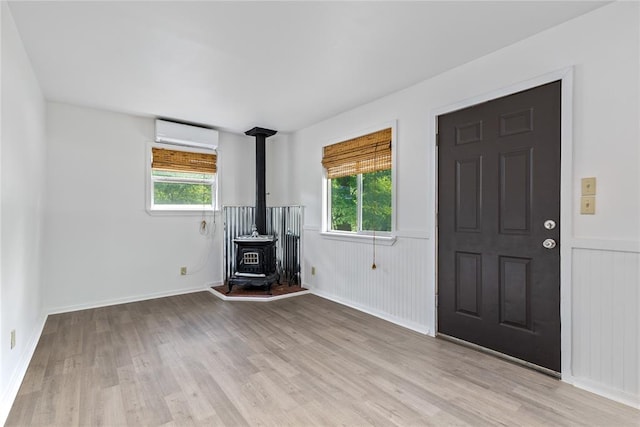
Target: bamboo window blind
<point>183,161</point>
<point>364,154</point>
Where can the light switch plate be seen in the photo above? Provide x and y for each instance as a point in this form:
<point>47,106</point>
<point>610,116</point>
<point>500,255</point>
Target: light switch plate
<point>588,205</point>
<point>589,186</point>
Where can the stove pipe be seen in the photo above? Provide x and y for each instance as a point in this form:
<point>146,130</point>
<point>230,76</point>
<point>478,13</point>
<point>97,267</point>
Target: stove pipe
<point>261,135</point>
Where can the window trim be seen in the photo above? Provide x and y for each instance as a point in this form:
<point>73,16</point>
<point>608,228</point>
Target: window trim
<point>182,210</point>
<point>383,237</point>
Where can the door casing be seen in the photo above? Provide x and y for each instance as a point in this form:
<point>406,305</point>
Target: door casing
<point>566,195</point>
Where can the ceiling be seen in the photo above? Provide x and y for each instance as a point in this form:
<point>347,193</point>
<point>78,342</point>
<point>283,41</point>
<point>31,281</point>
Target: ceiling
<point>279,65</point>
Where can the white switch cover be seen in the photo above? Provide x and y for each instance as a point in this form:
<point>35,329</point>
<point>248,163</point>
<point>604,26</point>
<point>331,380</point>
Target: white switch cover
<point>588,205</point>
<point>589,186</point>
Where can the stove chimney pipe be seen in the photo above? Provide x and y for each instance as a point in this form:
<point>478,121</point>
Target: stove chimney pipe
<point>261,135</point>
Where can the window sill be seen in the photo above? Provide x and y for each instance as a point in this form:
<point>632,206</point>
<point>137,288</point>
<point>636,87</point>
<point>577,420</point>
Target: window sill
<point>384,240</point>
<point>182,212</point>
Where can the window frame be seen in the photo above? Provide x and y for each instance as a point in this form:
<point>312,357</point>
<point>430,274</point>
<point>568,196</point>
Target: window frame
<point>383,237</point>
<point>165,209</point>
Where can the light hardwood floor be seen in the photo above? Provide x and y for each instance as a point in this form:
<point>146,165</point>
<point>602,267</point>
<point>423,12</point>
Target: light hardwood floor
<point>196,360</point>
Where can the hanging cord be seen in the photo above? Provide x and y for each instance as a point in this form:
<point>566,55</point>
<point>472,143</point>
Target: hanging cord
<point>373,266</point>
<point>207,231</point>
<point>205,227</point>
<point>203,222</point>
<point>375,161</point>
<point>204,258</point>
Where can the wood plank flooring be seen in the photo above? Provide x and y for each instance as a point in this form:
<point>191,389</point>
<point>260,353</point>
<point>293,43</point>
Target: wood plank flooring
<point>196,360</point>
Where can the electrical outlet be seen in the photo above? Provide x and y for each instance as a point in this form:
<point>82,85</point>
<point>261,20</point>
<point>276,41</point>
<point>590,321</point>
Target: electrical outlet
<point>13,338</point>
<point>183,271</point>
<point>313,271</point>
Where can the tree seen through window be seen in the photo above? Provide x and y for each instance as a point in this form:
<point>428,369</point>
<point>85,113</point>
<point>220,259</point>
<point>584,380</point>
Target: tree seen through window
<point>370,193</point>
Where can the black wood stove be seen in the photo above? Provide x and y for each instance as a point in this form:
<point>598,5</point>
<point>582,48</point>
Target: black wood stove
<point>256,252</point>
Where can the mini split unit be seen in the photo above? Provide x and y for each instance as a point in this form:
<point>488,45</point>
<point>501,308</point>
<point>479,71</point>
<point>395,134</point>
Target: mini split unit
<point>181,134</point>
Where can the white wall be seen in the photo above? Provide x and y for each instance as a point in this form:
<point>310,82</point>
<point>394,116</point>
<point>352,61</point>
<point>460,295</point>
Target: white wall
<point>603,47</point>
<point>101,245</point>
<point>279,179</point>
<point>22,173</point>
<point>237,162</point>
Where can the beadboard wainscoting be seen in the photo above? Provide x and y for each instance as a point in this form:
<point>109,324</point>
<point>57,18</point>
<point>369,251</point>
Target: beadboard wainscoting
<point>396,290</point>
<point>605,320</point>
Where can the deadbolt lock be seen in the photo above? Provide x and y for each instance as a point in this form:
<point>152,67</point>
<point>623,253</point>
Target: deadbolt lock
<point>549,224</point>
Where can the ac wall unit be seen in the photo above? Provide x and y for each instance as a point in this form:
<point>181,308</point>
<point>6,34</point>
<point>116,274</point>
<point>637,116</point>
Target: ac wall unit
<point>181,134</point>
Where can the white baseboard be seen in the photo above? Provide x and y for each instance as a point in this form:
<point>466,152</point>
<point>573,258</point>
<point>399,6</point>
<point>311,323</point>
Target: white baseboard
<point>116,301</point>
<point>606,391</point>
<point>11,391</point>
<point>384,316</point>
<point>255,299</point>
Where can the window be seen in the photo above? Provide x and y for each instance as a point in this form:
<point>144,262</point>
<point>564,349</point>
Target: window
<point>182,180</point>
<point>359,184</point>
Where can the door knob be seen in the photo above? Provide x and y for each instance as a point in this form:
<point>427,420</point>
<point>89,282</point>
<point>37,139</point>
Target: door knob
<point>549,224</point>
<point>549,243</point>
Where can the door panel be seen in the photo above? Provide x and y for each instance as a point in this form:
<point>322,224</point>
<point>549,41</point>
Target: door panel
<point>498,181</point>
<point>515,287</point>
<point>468,283</point>
<point>468,194</point>
<point>515,192</point>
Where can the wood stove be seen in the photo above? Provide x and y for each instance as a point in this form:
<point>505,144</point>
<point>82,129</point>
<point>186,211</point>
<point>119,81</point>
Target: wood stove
<point>256,252</point>
<point>255,262</point>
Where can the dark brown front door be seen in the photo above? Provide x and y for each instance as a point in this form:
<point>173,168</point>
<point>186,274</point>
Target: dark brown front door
<point>498,182</point>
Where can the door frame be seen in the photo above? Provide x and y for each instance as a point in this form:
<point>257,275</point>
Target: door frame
<point>565,75</point>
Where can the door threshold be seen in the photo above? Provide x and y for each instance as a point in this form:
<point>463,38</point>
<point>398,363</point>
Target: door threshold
<point>512,359</point>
